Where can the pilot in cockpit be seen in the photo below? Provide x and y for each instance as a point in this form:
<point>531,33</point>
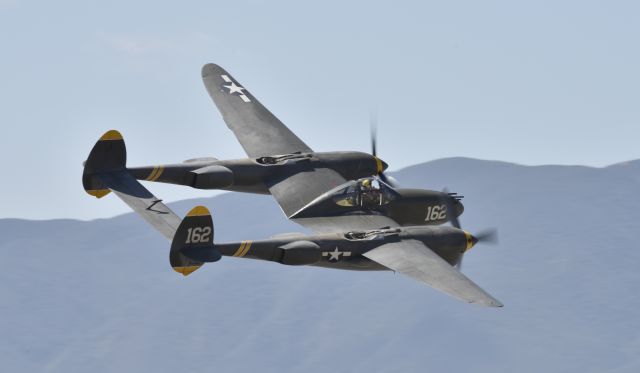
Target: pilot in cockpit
<point>365,184</point>
<point>370,192</point>
<point>370,184</point>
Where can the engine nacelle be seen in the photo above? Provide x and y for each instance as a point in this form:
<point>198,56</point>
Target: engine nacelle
<point>352,165</point>
<point>212,177</point>
<point>300,253</point>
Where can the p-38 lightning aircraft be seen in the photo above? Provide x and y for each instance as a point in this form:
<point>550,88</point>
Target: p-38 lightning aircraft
<point>360,224</point>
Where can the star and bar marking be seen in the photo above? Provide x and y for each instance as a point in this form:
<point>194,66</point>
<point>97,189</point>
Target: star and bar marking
<point>234,88</point>
<point>335,254</point>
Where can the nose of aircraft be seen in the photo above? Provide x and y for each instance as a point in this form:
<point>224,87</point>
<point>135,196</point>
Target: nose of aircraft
<point>474,240</point>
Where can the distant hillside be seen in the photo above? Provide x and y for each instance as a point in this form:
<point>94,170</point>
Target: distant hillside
<point>100,296</point>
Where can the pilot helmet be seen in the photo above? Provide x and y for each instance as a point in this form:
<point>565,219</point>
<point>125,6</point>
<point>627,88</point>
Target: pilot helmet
<point>366,183</point>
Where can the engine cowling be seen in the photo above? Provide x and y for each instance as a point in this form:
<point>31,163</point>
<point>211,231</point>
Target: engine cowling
<point>300,253</point>
<point>212,177</point>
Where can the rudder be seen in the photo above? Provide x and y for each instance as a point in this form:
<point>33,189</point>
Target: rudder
<point>108,154</point>
<point>193,237</point>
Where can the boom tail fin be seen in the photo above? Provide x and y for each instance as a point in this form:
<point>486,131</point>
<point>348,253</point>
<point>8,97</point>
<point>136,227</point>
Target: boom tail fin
<point>192,244</point>
<point>105,171</point>
<point>108,154</point>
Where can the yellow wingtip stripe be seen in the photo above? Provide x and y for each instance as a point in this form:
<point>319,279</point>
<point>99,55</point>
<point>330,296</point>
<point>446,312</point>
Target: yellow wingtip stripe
<point>111,136</point>
<point>198,211</point>
<point>99,193</point>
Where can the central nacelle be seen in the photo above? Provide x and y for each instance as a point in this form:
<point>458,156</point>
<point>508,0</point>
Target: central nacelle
<point>370,195</point>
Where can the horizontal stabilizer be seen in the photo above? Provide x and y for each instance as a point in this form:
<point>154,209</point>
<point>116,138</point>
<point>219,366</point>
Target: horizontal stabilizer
<point>141,201</point>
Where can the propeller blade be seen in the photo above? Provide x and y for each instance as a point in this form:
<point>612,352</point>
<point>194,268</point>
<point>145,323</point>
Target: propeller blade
<point>459,264</point>
<point>373,125</point>
<point>374,141</point>
<point>488,236</point>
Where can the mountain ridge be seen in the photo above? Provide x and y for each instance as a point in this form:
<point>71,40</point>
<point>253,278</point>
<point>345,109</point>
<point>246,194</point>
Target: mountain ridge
<point>101,295</point>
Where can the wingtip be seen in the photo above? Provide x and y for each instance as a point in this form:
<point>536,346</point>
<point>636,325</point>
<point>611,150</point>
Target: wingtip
<point>492,303</point>
<point>210,69</point>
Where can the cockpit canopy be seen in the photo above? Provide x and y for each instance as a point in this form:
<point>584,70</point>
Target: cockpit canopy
<point>367,192</point>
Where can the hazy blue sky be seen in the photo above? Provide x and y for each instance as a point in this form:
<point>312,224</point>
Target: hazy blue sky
<point>529,82</point>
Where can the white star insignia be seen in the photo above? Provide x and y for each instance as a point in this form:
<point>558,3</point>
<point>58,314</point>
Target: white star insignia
<point>233,88</point>
<point>335,254</point>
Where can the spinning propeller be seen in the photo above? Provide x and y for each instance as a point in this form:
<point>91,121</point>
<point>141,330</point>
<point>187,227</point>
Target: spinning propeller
<point>488,236</point>
<point>373,121</point>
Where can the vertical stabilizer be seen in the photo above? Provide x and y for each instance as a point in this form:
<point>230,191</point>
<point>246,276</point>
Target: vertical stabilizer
<point>195,235</point>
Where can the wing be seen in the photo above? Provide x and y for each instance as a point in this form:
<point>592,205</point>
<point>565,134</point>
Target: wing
<point>259,132</point>
<point>142,201</point>
<point>414,259</point>
<point>300,184</point>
